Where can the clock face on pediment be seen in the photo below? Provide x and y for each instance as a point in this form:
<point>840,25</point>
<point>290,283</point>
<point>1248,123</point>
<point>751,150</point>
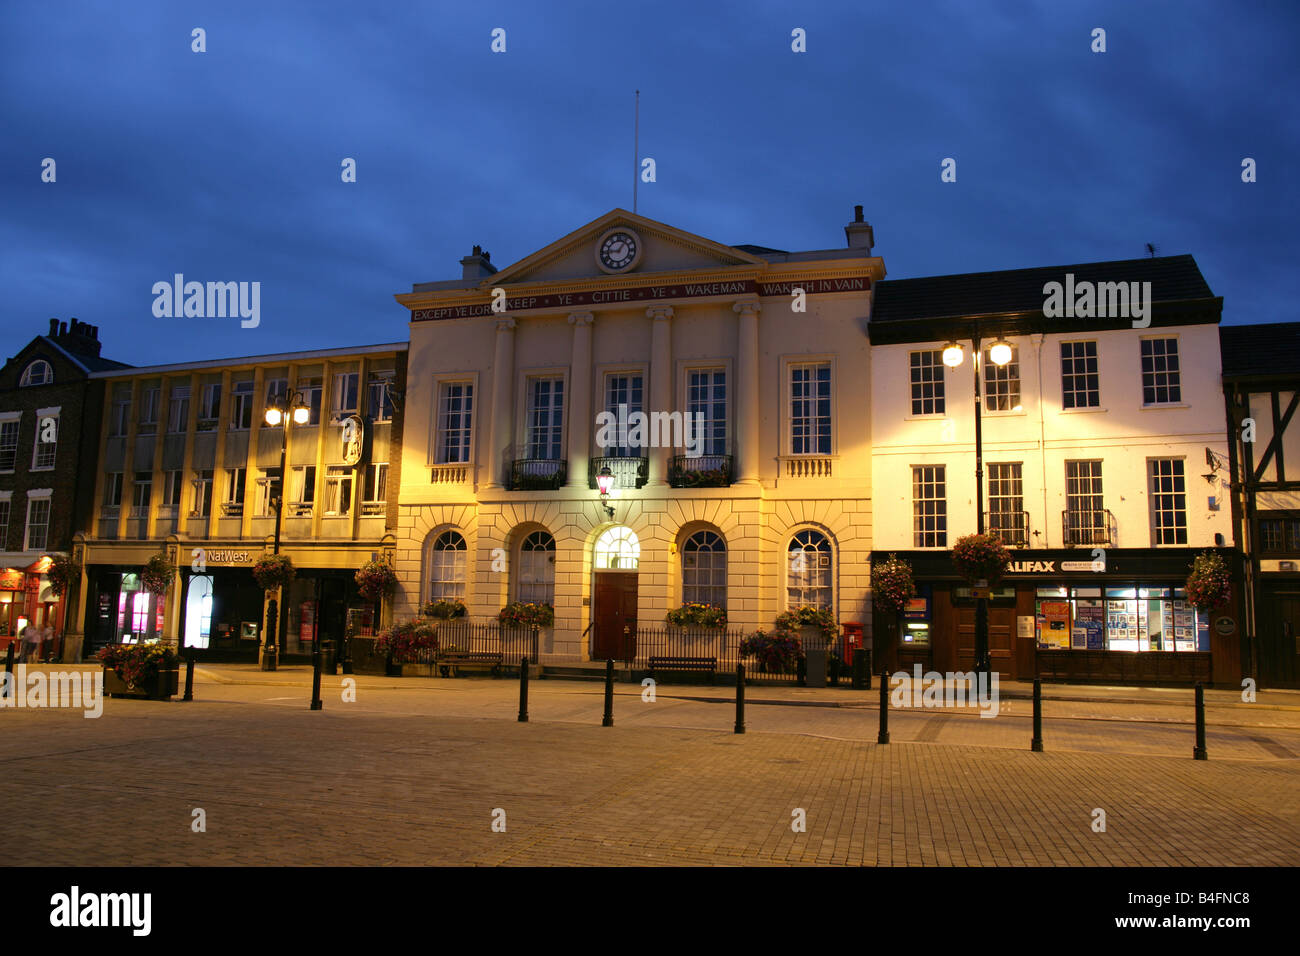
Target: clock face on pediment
<point>618,250</point>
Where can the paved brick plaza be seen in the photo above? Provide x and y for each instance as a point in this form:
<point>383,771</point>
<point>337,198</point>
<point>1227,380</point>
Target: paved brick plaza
<point>411,772</point>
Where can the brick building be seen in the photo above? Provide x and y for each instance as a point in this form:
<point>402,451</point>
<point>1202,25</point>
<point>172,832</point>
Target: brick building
<point>49,426</point>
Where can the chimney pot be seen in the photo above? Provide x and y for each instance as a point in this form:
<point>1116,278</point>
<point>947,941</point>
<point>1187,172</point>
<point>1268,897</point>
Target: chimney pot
<point>857,213</point>
<point>54,327</point>
<point>63,327</point>
<point>487,257</point>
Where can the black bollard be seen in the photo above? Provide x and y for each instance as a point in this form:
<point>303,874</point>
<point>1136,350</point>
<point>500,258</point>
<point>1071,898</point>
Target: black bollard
<point>740,698</point>
<point>1036,745</point>
<point>316,703</point>
<point>608,719</point>
<point>9,667</point>
<point>883,736</point>
<point>189,676</point>
<point>1199,752</point>
<point>523,690</point>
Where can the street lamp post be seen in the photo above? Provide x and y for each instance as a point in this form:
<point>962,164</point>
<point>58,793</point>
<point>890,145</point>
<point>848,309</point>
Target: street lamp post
<point>1000,354</point>
<point>284,409</point>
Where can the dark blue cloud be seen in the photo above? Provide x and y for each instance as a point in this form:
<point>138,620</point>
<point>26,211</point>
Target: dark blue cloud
<point>225,165</point>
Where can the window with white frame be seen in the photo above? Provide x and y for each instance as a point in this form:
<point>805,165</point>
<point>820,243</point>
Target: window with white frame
<point>311,393</point>
<point>344,396</point>
<point>446,561</point>
<point>1168,492</point>
<point>1080,381</point>
<point>455,413</point>
<point>925,370</point>
<point>178,409</point>
<point>268,488</point>
<point>704,569</point>
<point>808,571</point>
<point>119,416</point>
<point>209,406</point>
<point>1001,382</point>
<point>303,490</point>
<point>535,569</point>
<point>1161,375</point>
<point>375,493</point>
<point>232,506</point>
<point>241,405</point>
<point>810,409</point>
<point>171,489</point>
<point>141,491</point>
<point>625,389</point>
<point>47,440</point>
<point>112,492</point>
<point>617,549</point>
<point>379,401</point>
<point>37,373</point>
<point>338,491</point>
<point>706,403</point>
<point>202,482</point>
<point>1007,503</point>
<point>150,396</point>
<point>8,443</point>
<point>1086,521</point>
<point>4,519</point>
<point>545,418</point>
<point>38,523</point>
<point>929,506</point>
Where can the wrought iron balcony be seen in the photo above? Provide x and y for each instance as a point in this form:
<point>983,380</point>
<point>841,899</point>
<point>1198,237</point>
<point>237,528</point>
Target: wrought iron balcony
<point>699,471</point>
<point>538,474</point>
<point>1011,526</point>
<point>628,472</point>
<point>1090,527</point>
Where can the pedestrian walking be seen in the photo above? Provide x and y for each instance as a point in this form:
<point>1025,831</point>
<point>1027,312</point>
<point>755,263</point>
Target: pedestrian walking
<point>31,637</point>
<point>47,638</point>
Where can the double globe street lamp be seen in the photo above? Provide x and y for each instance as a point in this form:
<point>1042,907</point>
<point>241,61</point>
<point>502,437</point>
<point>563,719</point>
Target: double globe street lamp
<point>1000,354</point>
<point>290,407</point>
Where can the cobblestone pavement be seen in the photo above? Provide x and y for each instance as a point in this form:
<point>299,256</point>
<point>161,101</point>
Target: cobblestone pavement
<point>412,771</point>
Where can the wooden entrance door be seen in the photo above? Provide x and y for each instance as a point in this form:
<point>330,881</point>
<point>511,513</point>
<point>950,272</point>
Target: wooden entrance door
<point>1279,649</point>
<point>614,611</point>
<point>1002,630</point>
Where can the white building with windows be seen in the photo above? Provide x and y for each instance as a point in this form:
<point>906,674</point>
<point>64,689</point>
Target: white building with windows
<point>1094,437</point>
<point>722,391</point>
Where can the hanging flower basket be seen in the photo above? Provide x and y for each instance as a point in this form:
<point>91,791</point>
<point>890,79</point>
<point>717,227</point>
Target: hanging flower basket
<point>444,610</point>
<point>273,571</point>
<point>157,574</point>
<point>520,614</point>
<point>376,579</point>
<point>981,557</point>
<point>62,572</point>
<point>892,585</point>
<point>1209,585</point>
<point>405,641</point>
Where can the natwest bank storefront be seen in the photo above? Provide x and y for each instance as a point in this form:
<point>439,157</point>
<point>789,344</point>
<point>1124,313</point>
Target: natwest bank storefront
<point>1121,617</point>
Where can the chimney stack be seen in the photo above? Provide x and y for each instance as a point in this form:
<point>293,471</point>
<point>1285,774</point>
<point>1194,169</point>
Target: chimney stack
<point>859,233</point>
<point>477,265</point>
<point>76,336</point>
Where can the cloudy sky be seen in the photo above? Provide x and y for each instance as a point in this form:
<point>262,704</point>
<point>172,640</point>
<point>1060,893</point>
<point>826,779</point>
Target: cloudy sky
<point>225,165</point>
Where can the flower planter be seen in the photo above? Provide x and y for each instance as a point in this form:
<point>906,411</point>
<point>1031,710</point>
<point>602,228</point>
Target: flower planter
<point>161,686</point>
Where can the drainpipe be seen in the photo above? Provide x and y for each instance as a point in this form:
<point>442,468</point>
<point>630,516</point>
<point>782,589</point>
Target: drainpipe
<point>1037,339</point>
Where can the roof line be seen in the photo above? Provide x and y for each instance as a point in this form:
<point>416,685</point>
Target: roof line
<point>253,360</point>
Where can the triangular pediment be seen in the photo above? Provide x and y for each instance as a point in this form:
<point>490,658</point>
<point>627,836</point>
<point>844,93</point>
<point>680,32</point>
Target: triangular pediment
<point>664,249</point>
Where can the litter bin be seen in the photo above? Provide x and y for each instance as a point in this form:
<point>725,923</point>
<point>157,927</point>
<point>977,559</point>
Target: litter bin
<point>327,657</point>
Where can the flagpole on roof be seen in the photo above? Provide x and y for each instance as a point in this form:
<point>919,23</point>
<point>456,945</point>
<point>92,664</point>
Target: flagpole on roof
<point>636,148</point>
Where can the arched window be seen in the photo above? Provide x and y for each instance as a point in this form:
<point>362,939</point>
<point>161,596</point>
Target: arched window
<point>808,571</point>
<point>37,373</point>
<point>618,550</point>
<point>704,569</point>
<point>535,583</point>
<point>445,567</point>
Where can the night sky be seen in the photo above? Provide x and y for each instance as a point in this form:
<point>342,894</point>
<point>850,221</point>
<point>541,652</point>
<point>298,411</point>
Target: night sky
<point>225,165</point>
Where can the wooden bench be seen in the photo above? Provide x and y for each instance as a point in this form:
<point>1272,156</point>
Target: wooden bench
<point>707,665</point>
<point>453,661</point>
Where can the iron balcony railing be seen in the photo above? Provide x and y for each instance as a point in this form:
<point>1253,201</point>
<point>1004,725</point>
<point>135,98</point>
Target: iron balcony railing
<point>699,471</point>
<point>538,474</point>
<point>1090,527</point>
<point>1011,526</point>
<point>628,472</point>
